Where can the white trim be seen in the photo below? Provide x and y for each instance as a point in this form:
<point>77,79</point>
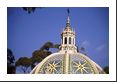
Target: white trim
<point>43,61</point>
<point>93,64</point>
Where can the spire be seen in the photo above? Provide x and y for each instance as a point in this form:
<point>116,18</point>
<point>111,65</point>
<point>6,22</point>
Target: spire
<point>68,38</point>
<point>68,20</point>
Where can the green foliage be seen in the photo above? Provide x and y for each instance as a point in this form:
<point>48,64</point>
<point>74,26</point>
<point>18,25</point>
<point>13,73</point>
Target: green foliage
<point>43,52</point>
<point>82,48</point>
<point>11,69</point>
<point>30,9</point>
<point>10,62</point>
<point>24,63</point>
<point>106,70</point>
<point>10,57</point>
<point>37,56</point>
<point>46,46</point>
<point>56,46</point>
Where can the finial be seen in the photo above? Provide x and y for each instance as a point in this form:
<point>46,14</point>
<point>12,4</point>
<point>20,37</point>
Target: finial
<point>68,11</point>
<point>68,19</point>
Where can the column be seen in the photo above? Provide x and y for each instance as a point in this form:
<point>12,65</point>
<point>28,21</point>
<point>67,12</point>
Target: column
<point>66,63</point>
<point>74,40</point>
<point>67,40</point>
<point>63,38</point>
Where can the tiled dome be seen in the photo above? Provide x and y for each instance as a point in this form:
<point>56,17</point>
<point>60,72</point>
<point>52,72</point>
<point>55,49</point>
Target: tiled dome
<point>77,64</point>
<point>67,60</point>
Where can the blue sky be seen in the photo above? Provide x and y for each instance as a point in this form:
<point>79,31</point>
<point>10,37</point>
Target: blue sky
<point>28,32</point>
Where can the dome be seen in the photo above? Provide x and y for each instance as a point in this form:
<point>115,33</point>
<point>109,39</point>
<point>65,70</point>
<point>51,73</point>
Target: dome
<point>67,60</point>
<point>58,63</point>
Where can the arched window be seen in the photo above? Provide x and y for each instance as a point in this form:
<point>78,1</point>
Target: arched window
<point>65,40</point>
<point>69,40</point>
<point>73,40</point>
<point>62,40</point>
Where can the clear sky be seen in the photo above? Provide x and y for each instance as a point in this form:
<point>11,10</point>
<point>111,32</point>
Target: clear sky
<point>28,32</point>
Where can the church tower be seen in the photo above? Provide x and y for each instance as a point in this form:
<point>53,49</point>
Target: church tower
<point>67,60</point>
<point>68,38</point>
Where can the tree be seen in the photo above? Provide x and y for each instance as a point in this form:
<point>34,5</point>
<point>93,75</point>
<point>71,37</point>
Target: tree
<point>43,52</point>
<point>56,46</point>
<point>38,56</point>
<point>106,70</point>
<point>30,9</point>
<point>81,50</point>
<point>24,63</point>
<point>10,62</point>
<point>47,46</point>
<point>35,59</point>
